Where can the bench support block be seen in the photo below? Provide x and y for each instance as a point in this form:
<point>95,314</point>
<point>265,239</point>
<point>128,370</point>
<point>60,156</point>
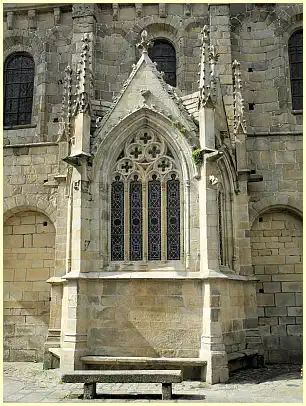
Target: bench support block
<point>166,391</point>
<point>90,390</point>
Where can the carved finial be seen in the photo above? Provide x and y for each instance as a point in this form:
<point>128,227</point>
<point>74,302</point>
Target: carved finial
<point>84,78</point>
<point>207,81</point>
<point>144,43</point>
<point>239,121</point>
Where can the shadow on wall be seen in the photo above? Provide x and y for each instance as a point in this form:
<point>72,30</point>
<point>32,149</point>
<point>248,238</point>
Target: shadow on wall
<point>29,239</point>
<point>276,242</point>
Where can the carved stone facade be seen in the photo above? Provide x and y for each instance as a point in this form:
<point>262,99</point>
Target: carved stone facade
<point>142,219</point>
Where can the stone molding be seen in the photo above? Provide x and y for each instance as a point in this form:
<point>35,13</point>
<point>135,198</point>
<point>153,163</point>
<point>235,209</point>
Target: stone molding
<point>275,202</point>
<point>15,204</point>
<point>167,275</point>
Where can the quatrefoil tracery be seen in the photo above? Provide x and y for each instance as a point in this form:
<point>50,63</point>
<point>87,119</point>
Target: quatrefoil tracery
<point>145,153</point>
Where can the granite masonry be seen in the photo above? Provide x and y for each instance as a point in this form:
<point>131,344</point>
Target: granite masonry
<point>149,219</point>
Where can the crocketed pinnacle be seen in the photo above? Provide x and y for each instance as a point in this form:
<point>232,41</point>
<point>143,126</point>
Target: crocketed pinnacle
<point>239,121</point>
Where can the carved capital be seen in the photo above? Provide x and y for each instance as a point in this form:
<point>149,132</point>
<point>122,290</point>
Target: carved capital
<point>9,20</point>
<point>83,10</point>
<point>32,19</point>
<point>57,15</point>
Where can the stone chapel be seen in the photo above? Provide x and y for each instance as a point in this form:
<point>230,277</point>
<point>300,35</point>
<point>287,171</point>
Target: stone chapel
<point>153,183</point>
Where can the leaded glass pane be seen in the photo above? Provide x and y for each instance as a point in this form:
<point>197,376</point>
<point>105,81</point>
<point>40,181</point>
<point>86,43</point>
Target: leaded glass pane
<point>173,219</point>
<point>220,228</point>
<point>296,69</point>
<point>117,221</point>
<point>163,54</point>
<point>154,220</point>
<point>19,80</point>
<point>135,220</point>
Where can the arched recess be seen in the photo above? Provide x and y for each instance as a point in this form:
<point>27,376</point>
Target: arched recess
<point>276,247</point>
<point>29,248</point>
<point>277,202</point>
<point>15,204</point>
<point>111,147</point>
<point>225,195</point>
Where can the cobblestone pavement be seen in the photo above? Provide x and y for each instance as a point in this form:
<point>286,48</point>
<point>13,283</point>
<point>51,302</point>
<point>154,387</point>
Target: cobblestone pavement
<point>28,382</point>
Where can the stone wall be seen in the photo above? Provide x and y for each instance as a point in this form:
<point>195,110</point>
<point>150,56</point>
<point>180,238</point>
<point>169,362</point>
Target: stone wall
<point>276,239</point>
<point>144,318</point>
<point>260,42</point>
<point>29,261</point>
<point>234,307</point>
<point>278,159</point>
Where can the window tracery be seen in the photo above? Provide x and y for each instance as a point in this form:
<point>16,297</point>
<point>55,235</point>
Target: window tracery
<point>145,201</point>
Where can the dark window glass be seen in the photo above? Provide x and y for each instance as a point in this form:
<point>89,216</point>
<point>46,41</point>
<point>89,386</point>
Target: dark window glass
<point>163,53</point>
<point>18,88</point>
<point>220,228</point>
<point>154,220</point>
<point>117,221</point>
<point>296,69</point>
<point>135,220</point>
<point>173,219</point>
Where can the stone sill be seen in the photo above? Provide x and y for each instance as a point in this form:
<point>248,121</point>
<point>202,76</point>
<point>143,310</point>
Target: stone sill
<point>19,127</point>
<point>32,144</point>
<point>297,112</point>
<point>183,275</point>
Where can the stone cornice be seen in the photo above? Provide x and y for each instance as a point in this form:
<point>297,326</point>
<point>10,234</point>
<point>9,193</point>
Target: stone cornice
<point>20,7</point>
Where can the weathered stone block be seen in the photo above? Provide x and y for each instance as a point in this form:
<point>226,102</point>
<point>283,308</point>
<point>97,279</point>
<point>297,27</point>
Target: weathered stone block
<point>276,311</point>
<point>291,286</point>
<point>284,299</point>
<point>295,311</point>
<point>296,330</point>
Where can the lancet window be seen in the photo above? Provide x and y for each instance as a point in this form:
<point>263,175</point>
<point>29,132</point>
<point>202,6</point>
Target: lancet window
<point>295,48</point>
<point>18,89</point>
<point>145,201</point>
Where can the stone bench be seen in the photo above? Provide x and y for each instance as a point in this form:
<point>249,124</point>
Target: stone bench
<point>192,368</point>
<point>91,378</point>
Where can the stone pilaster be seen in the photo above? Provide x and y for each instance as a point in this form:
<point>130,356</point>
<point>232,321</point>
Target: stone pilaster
<point>220,37</point>
<point>54,330</point>
<point>74,324</point>
<point>212,345</point>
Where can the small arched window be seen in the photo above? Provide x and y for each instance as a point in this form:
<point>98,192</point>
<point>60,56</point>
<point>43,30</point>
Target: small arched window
<point>163,53</point>
<point>145,202</point>
<point>295,48</point>
<point>18,89</point>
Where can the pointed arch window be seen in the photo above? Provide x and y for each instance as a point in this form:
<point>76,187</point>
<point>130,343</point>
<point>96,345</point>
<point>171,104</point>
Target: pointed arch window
<point>145,202</point>
<point>295,49</point>
<point>18,89</point>
<point>164,54</point>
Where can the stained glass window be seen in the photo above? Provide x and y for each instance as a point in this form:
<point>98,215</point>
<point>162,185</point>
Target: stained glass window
<point>296,69</point>
<point>220,228</point>
<point>145,201</point>
<point>117,221</point>
<point>163,53</point>
<point>135,220</point>
<point>173,219</point>
<point>154,219</point>
<point>19,82</point>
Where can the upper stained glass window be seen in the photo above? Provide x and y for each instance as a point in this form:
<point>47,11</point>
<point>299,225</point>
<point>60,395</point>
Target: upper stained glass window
<point>295,49</point>
<point>18,89</point>
<point>145,201</point>
<point>163,53</point>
